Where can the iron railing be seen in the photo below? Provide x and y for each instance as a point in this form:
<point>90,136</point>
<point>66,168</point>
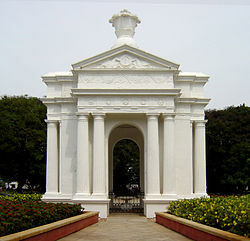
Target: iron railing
<point>126,204</point>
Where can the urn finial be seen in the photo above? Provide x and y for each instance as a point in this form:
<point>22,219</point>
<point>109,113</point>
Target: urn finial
<point>124,23</point>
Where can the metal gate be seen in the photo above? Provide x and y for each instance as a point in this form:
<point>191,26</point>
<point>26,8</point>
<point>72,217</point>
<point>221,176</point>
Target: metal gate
<point>126,204</point>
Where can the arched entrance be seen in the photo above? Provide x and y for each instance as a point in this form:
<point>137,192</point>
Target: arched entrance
<point>126,169</point>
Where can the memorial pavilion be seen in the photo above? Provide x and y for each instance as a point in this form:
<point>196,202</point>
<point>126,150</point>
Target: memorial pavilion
<point>125,93</point>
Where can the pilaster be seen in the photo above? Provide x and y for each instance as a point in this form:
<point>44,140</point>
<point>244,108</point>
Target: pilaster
<point>52,159</point>
<point>83,164</point>
<point>199,158</point>
<point>68,150</point>
<point>99,169</point>
<point>169,169</point>
<point>153,163</point>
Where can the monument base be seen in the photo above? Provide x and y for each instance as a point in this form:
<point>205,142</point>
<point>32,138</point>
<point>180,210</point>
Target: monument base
<point>157,205</point>
<point>100,205</point>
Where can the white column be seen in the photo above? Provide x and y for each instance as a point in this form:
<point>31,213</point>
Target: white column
<point>199,158</point>
<point>83,165</point>
<point>52,158</point>
<point>99,190</point>
<point>169,169</point>
<point>153,163</point>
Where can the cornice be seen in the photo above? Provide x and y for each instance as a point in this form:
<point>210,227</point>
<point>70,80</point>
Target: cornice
<point>192,77</point>
<point>202,101</point>
<point>76,71</point>
<point>58,100</point>
<point>135,92</point>
<point>58,79</point>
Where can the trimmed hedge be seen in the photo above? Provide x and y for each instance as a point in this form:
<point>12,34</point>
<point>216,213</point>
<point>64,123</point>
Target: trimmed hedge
<point>21,197</point>
<point>16,216</point>
<point>227,213</point>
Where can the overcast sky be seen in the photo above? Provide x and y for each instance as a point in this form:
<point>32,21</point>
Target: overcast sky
<point>209,36</point>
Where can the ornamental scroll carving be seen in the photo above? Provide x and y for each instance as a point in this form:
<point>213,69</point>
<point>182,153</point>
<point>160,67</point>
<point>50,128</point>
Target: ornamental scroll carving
<point>127,79</point>
<point>126,62</point>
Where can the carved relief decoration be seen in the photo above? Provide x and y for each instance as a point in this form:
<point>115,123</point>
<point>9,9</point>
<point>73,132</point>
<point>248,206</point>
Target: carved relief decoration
<point>126,62</point>
<point>122,80</point>
<point>132,101</point>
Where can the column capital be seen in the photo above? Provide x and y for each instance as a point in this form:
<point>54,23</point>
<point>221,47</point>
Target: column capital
<point>51,122</point>
<point>200,123</point>
<point>168,116</point>
<point>82,116</point>
<point>68,116</point>
<point>82,113</point>
<point>152,116</point>
<point>98,116</point>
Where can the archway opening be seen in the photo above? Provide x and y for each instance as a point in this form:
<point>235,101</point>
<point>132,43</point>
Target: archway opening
<point>126,168</point>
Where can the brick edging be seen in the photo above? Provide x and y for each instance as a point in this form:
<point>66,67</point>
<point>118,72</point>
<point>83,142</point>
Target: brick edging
<point>56,230</point>
<point>195,231</point>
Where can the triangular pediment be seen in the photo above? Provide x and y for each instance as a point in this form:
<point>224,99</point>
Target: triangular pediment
<point>125,57</point>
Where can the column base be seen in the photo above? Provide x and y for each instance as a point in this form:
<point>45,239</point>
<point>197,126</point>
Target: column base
<point>56,197</point>
<point>193,195</point>
<point>170,196</point>
<point>81,196</point>
<point>99,196</point>
<point>50,195</point>
<point>198,195</point>
<point>153,196</point>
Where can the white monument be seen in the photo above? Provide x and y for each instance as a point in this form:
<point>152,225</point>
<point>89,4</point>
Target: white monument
<point>125,93</point>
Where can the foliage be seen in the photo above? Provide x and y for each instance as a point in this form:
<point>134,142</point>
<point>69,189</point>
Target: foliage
<point>23,141</point>
<point>227,213</point>
<point>228,150</point>
<point>126,166</point>
<point>21,197</point>
<point>16,216</point>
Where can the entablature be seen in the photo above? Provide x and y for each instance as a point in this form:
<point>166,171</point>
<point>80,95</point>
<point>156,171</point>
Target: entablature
<point>57,77</point>
<point>192,77</point>
<point>58,100</point>
<point>200,101</point>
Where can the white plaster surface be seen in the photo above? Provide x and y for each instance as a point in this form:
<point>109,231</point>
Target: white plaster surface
<point>125,86</point>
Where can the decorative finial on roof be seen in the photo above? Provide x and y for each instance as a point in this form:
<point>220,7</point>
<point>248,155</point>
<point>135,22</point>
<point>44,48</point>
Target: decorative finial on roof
<point>124,23</point>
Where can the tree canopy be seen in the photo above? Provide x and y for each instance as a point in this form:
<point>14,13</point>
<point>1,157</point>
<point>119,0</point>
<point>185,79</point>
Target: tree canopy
<point>228,150</point>
<point>23,141</point>
<point>126,163</point>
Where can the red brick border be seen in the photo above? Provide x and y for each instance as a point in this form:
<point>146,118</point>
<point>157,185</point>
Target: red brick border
<point>195,231</point>
<point>64,231</point>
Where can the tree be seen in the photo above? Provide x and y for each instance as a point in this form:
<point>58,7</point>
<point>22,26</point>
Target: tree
<point>126,161</point>
<point>228,150</point>
<point>23,141</point>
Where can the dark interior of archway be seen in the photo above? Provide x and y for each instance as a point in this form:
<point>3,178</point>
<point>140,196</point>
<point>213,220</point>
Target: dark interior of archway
<point>126,168</point>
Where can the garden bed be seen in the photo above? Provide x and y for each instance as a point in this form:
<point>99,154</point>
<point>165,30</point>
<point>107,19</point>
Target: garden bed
<point>16,216</point>
<point>195,231</point>
<point>226,216</point>
<point>56,230</point>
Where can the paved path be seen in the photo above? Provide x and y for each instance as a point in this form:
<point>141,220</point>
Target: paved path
<point>125,227</point>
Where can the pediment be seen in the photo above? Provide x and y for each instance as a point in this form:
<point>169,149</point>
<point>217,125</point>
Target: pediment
<point>125,61</point>
<point>125,58</point>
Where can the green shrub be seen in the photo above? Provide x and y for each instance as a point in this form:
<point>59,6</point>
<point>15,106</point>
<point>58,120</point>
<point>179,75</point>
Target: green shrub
<point>16,216</point>
<point>227,213</point>
<point>21,197</point>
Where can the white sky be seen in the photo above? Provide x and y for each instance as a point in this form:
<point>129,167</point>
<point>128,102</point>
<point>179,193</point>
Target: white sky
<point>209,36</point>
